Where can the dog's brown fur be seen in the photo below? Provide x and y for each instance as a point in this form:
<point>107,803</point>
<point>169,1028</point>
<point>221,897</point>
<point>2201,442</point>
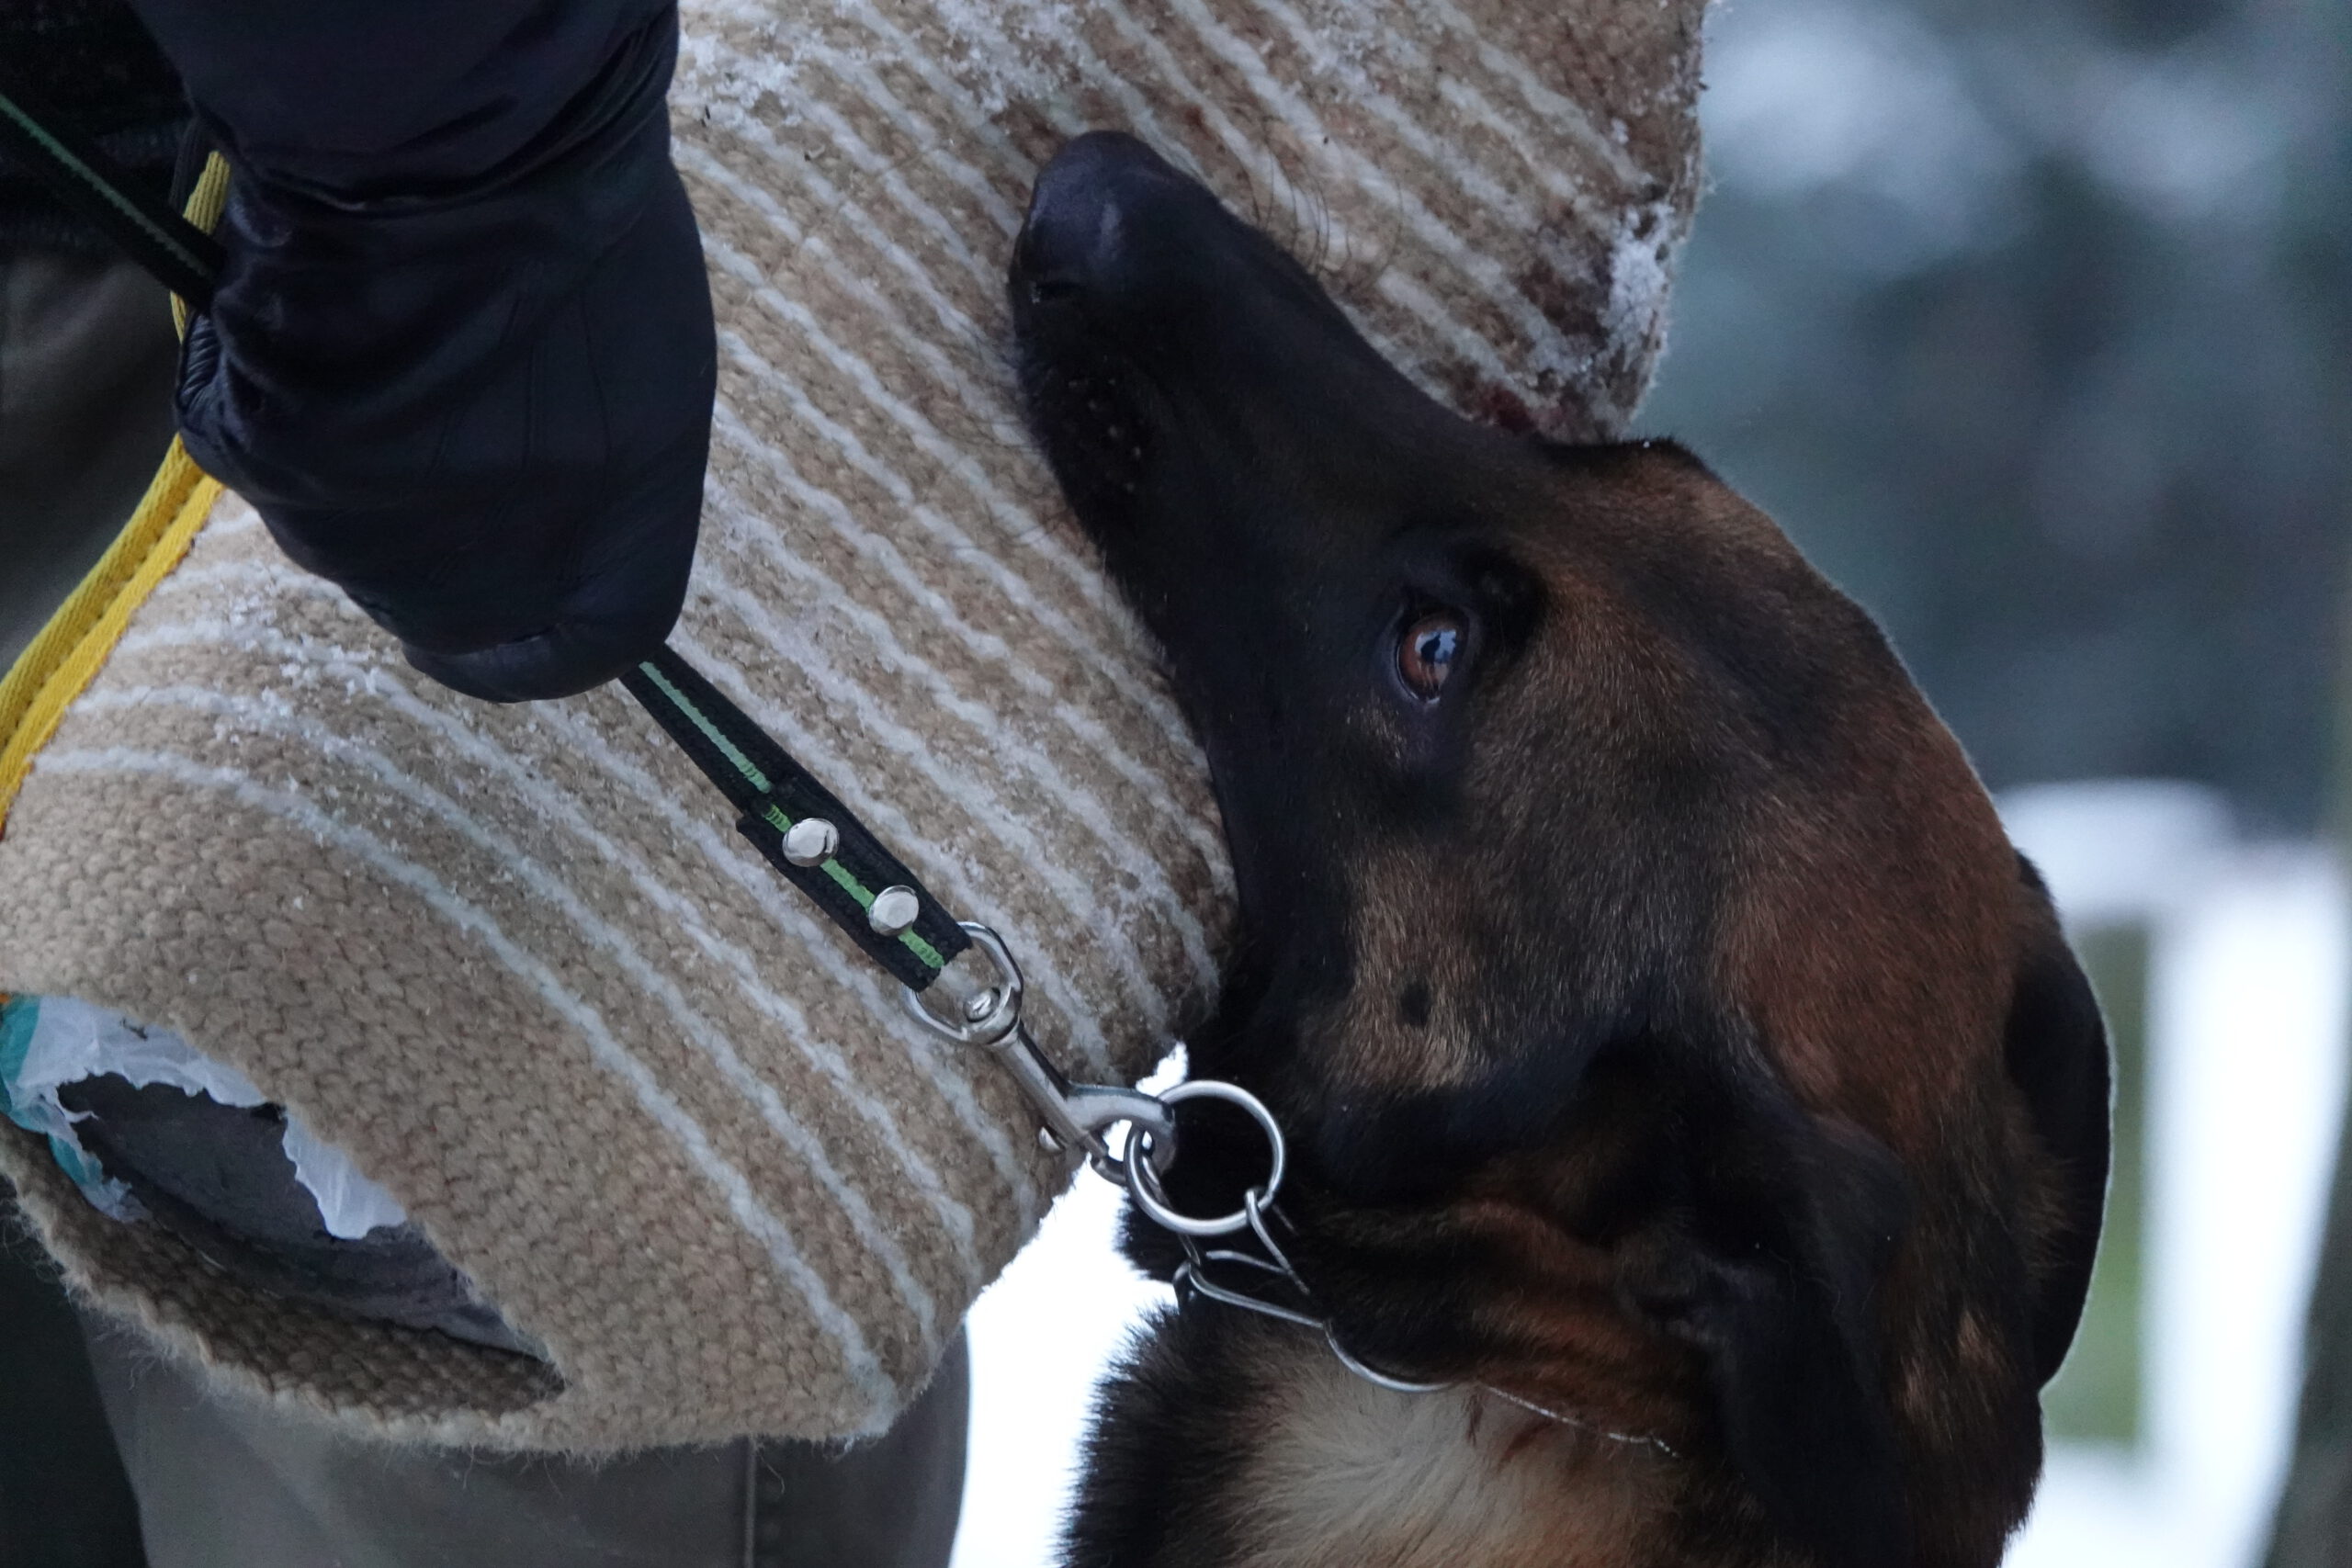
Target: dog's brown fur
<point>1668,1038</point>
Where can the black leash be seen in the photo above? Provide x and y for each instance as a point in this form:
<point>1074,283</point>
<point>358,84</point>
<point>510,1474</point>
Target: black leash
<point>186,258</point>
<point>801,827</point>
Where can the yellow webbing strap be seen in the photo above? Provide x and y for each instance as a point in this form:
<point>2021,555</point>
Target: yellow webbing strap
<point>67,655</point>
<point>59,663</point>
<point>203,210</point>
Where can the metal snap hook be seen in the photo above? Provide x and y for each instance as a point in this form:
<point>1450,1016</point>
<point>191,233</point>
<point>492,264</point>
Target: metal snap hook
<point>987,1014</point>
<point>1143,1177</point>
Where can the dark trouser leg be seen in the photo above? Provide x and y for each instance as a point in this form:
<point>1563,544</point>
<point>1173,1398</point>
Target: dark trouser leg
<point>224,1483</point>
<point>64,1501</point>
<point>86,353</point>
<point>85,375</point>
<point>891,1504</point>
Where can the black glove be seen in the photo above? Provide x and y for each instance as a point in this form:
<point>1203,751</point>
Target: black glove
<point>461,359</point>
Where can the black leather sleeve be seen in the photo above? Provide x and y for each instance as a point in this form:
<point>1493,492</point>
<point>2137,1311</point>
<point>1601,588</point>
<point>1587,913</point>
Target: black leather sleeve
<point>461,359</point>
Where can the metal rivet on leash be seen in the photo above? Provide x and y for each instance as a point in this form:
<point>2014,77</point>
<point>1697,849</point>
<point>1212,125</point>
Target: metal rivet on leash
<point>894,911</point>
<point>811,842</point>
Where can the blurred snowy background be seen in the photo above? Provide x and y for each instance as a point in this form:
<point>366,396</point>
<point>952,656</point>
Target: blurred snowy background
<point>2029,320</point>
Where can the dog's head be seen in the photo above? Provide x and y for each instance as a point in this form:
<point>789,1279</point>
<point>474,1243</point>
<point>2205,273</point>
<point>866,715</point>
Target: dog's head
<point>1665,1029</point>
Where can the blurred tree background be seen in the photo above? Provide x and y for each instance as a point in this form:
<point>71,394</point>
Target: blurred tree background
<point>2028,318</point>
<point>2031,320</point>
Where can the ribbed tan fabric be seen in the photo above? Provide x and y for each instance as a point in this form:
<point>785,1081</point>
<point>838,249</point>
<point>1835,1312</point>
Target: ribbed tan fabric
<point>517,962</point>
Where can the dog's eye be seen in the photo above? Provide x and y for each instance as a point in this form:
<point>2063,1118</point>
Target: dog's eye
<point>1427,653</point>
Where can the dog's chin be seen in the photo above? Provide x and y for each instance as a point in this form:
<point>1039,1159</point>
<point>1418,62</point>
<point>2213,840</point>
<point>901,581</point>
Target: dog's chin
<point>1094,439</point>
<point>1115,506</point>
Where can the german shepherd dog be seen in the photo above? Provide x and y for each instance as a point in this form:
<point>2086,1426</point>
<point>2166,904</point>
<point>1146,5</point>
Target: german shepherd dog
<point>1677,1060</point>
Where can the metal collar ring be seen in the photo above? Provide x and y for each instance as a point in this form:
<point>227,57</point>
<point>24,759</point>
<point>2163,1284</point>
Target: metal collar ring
<point>1143,1178</point>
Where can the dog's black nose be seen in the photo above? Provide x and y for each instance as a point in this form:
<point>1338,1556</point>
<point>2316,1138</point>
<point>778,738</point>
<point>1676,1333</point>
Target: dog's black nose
<point>1090,214</point>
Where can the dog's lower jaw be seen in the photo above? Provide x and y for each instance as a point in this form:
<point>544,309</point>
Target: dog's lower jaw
<point>1228,1441</point>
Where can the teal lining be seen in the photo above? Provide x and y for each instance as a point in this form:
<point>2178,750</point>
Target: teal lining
<point>20,1019</point>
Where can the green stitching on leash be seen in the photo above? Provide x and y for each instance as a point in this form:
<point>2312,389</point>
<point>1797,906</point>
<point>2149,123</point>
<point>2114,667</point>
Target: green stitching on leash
<point>63,158</point>
<point>743,764</point>
<point>775,815</point>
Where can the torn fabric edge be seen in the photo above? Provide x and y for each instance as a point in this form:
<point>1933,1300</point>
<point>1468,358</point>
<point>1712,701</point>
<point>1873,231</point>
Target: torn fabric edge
<point>46,1042</point>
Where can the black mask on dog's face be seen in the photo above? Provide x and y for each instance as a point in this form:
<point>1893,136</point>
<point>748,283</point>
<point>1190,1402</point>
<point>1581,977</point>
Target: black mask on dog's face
<point>1599,867</point>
